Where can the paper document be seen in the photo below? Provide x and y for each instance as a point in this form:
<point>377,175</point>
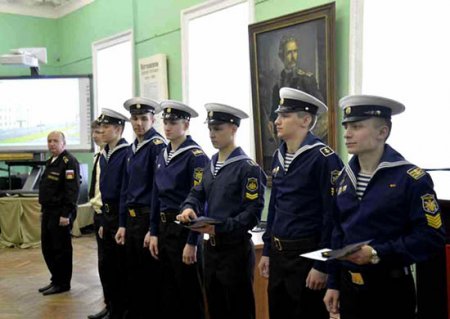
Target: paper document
<point>328,254</point>
<point>200,222</point>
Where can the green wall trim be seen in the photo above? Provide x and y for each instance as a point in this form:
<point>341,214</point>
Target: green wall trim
<point>156,29</point>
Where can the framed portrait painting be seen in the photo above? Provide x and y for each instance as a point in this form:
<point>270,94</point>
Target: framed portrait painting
<point>296,50</point>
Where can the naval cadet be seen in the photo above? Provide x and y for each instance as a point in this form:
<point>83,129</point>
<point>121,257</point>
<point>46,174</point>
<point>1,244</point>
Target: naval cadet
<point>386,199</point>
<point>58,195</point>
<point>142,270</point>
<point>112,168</point>
<point>299,217</point>
<point>232,192</point>
<point>178,168</point>
<point>95,199</point>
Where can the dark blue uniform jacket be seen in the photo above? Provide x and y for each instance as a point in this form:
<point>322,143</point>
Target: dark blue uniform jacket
<point>235,195</point>
<point>173,181</point>
<point>301,200</point>
<point>112,169</point>
<point>138,177</point>
<point>399,212</point>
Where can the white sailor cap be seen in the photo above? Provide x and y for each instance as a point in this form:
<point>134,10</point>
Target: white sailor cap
<point>221,113</point>
<point>292,100</point>
<point>142,105</point>
<point>361,107</point>
<point>109,116</point>
<point>174,110</point>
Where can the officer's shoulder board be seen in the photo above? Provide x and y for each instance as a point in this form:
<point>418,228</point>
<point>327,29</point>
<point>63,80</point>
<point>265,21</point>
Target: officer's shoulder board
<point>416,172</point>
<point>326,151</point>
<point>302,72</point>
<point>158,141</point>
<point>197,152</point>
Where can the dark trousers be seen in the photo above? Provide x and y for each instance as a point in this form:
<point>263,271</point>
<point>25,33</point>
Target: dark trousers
<point>181,289</point>
<point>143,271</point>
<point>56,243</point>
<point>228,274</point>
<point>384,294</point>
<point>101,259</point>
<point>289,297</point>
<point>113,266</point>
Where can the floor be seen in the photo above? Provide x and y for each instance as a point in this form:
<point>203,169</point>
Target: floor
<point>23,271</point>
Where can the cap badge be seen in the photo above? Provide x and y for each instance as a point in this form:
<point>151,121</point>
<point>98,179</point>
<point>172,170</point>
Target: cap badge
<point>281,101</point>
<point>168,110</point>
<point>138,106</point>
<point>211,113</point>
<point>348,110</point>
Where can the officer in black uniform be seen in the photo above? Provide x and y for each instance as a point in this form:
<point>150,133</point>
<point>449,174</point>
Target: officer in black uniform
<point>58,196</point>
<point>231,191</point>
<point>299,218</point>
<point>95,199</point>
<point>143,272</point>
<point>113,162</point>
<point>383,198</point>
<point>178,168</point>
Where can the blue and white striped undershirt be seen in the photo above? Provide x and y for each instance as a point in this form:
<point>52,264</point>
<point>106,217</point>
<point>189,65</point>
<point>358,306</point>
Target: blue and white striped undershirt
<point>288,160</point>
<point>217,167</point>
<point>169,156</point>
<point>361,184</point>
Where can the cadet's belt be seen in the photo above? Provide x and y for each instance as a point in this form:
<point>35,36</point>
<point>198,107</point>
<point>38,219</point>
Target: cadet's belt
<point>110,208</point>
<point>168,216</point>
<point>293,244</point>
<point>374,275</point>
<point>134,211</point>
<point>224,240</point>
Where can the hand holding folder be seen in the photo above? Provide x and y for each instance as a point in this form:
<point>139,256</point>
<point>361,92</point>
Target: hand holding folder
<point>200,222</point>
<point>328,254</point>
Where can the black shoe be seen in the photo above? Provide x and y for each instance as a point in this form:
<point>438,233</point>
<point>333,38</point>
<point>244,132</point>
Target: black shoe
<point>56,290</point>
<point>50,285</point>
<point>100,315</point>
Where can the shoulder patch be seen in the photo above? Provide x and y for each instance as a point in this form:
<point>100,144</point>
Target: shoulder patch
<point>416,172</point>
<point>197,152</point>
<point>326,151</point>
<point>429,204</point>
<point>252,184</point>
<point>70,174</point>
<point>158,141</point>
<point>198,175</point>
<point>334,176</point>
<point>65,159</point>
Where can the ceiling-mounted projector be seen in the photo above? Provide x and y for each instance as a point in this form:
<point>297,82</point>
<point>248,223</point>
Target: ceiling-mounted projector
<point>25,57</point>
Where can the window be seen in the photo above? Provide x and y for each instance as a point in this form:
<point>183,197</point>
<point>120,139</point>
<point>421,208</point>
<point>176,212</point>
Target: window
<point>216,65</point>
<point>405,57</point>
<point>113,75</point>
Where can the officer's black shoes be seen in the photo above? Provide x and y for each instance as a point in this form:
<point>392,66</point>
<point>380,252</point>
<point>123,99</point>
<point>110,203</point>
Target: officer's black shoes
<point>50,285</point>
<point>56,290</point>
<point>104,314</point>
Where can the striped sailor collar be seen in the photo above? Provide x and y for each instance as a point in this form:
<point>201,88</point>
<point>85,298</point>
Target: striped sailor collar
<point>149,136</point>
<point>310,141</point>
<point>106,152</point>
<point>188,144</point>
<point>236,155</point>
<point>390,158</point>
